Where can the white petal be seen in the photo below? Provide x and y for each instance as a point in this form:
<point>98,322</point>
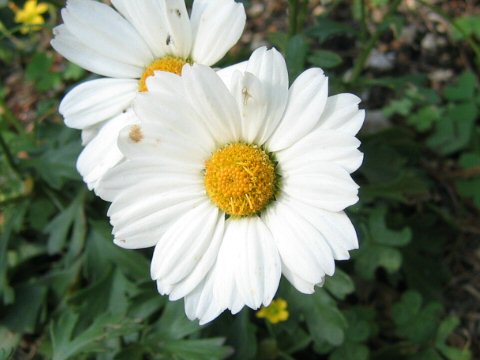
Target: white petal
<point>306,101</point>
<point>163,25</point>
<point>102,153</point>
<point>102,29</point>
<point>227,73</point>
<point>322,146</point>
<point>150,140</point>
<point>203,265</point>
<point>184,244</point>
<point>324,185</point>
<point>201,304</point>
<point>97,100</point>
<point>164,106</point>
<point>302,248</point>
<point>258,268</point>
<point>336,228</point>
<point>300,284</point>
<point>146,170</point>
<point>261,93</point>
<point>212,102</point>
<point>342,113</point>
<point>224,287</point>
<point>83,55</point>
<point>142,222</point>
<point>88,134</point>
<point>217,25</point>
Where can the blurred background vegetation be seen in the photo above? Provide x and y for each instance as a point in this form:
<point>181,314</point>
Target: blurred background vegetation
<point>412,290</point>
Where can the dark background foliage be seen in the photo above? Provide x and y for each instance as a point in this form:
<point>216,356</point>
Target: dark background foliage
<point>412,290</point>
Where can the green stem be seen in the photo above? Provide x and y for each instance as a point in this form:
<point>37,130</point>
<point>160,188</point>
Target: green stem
<point>293,17</point>
<point>9,156</point>
<point>360,64</point>
<point>11,119</point>
<point>363,22</point>
<point>468,38</point>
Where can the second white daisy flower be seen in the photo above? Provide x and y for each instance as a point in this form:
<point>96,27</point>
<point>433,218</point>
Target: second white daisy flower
<point>127,47</point>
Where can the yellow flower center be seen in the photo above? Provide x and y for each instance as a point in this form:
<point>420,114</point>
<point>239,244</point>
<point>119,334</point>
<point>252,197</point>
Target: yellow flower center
<point>240,179</point>
<point>168,63</point>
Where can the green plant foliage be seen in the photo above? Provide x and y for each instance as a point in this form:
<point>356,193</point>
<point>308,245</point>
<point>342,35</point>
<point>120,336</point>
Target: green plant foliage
<point>68,292</point>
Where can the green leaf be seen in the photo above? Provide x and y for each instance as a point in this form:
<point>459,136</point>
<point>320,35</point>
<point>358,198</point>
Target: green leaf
<point>8,343</point>
<point>470,24</point>
<point>350,351</point>
<point>173,324</point>
<point>325,59</point>
<point>379,248</point>
<point>424,119</point>
<point>67,343</point>
<point>464,89</point>
<point>361,324</point>
<point>469,187</point>
<point>56,164</point>
<point>295,55</point>
<point>73,72</point>
<point>22,315</point>
<point>58,229</point>
<point>382,234</point>
<point>241,336</point>
<point>414,321</point>
<point>340,284</point>
<point>39,72</point>
<point>454,131</point>
<point>102,254</point>
<point>326,28</point>
<point>279,40</point>
<point>203,349</point>
<point>324,321</point>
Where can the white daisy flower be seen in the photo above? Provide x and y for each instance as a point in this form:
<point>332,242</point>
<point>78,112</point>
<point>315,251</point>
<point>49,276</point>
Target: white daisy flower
<point>127,47</point>
<point>236,182</point>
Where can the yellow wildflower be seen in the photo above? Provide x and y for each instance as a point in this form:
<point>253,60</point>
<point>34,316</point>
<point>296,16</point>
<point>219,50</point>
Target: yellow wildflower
<point>275,312</point>
<point>30,16</point>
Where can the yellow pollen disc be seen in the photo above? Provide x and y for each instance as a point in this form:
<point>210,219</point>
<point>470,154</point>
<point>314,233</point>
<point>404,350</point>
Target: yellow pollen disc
<point>167,63</point>
<point>240,179</point>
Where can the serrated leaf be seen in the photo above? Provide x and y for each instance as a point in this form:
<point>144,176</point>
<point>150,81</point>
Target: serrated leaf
<point>340,284</point>
<point>380,246</point>
<point>59,228</point>
<point>424,119</point>
<point>454,131</point>
<point>174,324</point>
<point>464,89</point>
<point>383,235</point>
<point>414,321</point>
<point>67,343</point>
<point>22,315</point>
<point>324,321</point>
<point>39,72</point>
<point>102,254</point>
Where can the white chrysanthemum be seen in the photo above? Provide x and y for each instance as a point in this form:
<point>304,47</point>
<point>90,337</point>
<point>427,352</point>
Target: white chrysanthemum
<point>128,46</point>
<point>236,182</point>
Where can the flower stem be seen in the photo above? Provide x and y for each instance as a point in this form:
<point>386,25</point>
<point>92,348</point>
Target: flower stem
<point>360,64</point>
<point>297,16</point>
